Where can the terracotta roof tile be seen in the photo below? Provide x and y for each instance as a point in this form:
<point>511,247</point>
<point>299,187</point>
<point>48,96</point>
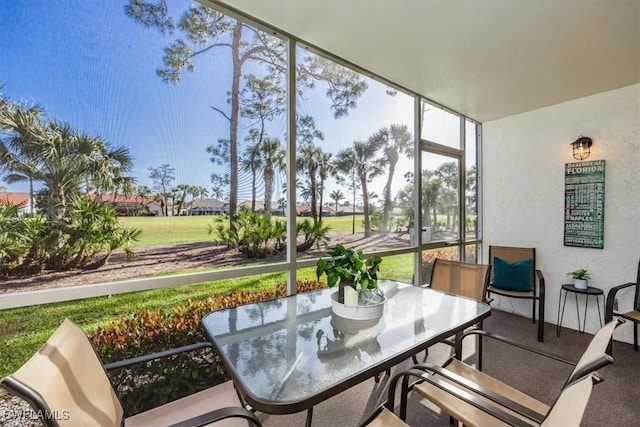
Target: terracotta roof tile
<point>14,199</point>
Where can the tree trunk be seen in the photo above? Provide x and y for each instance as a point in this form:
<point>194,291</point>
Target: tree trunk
<point>233,124</point>
<point>321,200</point>
<point>387,193</point>
<point>253,190</point>
<point>32,200</point>
<point>313,194</point>
<point>268,189</point>
<point>365,200</point>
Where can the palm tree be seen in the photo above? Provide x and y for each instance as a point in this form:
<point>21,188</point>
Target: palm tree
<point>350,181</point>
<point>273,157</point>
<point>143,192</point>
<point>325,169</point>
<point>200,192</point>
<point>307,163</point>
<point>448,173</point>
<point>396,140</point>
<point>362,159</point>
<point>178,198</point>
<point>217,192</point>
<point>251,162</point>
<point>22,128</point>
<point>431,186</point>
<point>59,156</point>
<point>471,183</point>
<point>108,167</point>
<point>336,195</point>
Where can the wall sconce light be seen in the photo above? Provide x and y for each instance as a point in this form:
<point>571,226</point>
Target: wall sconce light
<point>581,147</point>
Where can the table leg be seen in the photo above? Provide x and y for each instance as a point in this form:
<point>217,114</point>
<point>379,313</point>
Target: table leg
<point>309,417</point>
<point>578,313</point>
<point>586,304</point>
<point>598,304</point>
<point>561,316</point>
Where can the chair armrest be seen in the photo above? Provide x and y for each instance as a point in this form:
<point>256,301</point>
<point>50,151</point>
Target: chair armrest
<point>590,367</point>
<point>467,384</point>
<point>541,285</point>
<point>220,414</point>
<point>611,296</point>
<point>153,356</point>
<point>423,372</point>
<point>483,334</point>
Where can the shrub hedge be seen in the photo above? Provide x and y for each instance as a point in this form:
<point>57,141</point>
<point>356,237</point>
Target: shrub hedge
<point>147,385</point>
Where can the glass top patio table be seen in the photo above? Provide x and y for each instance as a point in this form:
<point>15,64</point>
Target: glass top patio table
<point>288,354</point>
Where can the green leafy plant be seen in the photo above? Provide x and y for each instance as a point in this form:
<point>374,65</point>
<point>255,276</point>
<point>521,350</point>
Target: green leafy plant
<point>580,274</point>
<point>314,234</point>
<point>348,267</point>
<point>147,385</point>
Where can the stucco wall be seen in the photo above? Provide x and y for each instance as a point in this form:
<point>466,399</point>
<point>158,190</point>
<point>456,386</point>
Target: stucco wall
<point>524,157</point>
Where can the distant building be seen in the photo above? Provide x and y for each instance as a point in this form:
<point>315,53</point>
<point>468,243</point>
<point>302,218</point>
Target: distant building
<point>133,205</point>
<point>259,206</point>
<point>305,210</point>
<point>154,208</point>
<point>349,210</point>
<point>22,201</point>
<point>206,207</point>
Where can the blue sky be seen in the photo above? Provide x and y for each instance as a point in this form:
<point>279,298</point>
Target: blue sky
<point>87,63</point>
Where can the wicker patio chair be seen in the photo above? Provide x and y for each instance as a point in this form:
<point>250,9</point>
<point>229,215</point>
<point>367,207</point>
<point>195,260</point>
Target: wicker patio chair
<point>503,260</point>
<point>66,382</point>
<point>632,315</point>
<point>477,399</point>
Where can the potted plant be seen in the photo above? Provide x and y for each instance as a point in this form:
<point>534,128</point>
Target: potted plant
<point>580,278</point>
<point>348,268</point>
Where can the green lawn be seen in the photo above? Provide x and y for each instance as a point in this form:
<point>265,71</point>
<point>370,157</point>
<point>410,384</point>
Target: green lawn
<point>180,229</point>
<point>22,333</point>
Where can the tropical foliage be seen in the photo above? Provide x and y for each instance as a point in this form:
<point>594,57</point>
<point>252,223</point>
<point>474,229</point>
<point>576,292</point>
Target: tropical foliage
<point>74,229</point>
<point>259,234</point>
<point>151,384</point>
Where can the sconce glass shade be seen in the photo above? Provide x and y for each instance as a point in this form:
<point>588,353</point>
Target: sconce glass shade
<point>581,147</point>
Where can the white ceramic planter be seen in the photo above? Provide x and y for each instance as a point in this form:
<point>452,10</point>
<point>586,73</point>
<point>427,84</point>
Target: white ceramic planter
<point>356,312</point>
<point>580,283</point>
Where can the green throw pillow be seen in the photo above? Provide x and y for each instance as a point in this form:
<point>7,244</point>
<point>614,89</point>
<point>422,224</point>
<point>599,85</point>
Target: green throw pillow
<point>512,277</point>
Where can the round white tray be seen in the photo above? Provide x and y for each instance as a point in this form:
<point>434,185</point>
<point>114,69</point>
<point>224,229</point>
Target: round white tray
<point>356,312</point>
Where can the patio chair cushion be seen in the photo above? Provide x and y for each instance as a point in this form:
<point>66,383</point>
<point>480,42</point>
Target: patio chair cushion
<point>512,277</point>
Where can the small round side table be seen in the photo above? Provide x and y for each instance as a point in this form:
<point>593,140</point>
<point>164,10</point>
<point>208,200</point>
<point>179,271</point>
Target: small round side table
<point>566,288</point>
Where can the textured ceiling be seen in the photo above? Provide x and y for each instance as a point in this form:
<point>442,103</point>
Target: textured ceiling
<point>484,58</point>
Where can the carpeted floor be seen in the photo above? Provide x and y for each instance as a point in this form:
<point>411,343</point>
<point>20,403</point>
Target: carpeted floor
<point>615,402</point>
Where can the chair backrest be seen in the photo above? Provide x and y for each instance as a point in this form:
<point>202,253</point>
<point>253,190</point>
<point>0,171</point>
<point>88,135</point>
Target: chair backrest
<point>569,407</point>
<point>512,254</point>
<point>460,278</point>
<point>595,350</point>
<point>67,375</point>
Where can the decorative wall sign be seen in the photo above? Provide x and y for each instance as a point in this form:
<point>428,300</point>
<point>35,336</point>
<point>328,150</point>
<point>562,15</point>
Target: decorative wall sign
<point>584,204</point>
